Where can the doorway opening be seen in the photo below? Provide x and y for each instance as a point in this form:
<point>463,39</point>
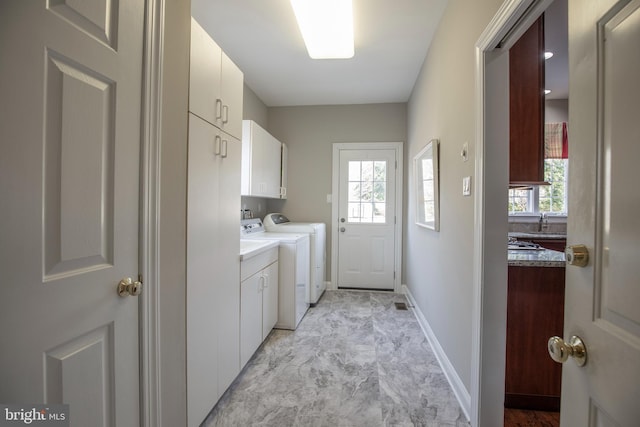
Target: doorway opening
<point>492,178</point>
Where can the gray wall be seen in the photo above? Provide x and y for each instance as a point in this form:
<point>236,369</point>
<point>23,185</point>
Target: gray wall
<point>253,108</point>
<point>439,264</point>
<point>309,133</point>
<point>556,110</point>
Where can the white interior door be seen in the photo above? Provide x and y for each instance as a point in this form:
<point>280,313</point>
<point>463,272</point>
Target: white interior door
<point>367,218</point>
<point>602,299</point>
<point>69,177</point>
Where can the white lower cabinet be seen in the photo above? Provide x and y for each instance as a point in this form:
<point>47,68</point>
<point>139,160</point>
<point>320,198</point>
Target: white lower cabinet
<point>269,299</point>
<point>258,301</point>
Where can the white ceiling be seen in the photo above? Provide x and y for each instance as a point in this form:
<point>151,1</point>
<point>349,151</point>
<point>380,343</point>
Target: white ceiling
<point>391,41</point>
<point>262,38</point>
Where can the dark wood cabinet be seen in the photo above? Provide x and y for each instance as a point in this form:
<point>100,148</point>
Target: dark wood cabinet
<point>526,107</point>
<point>535,312</point>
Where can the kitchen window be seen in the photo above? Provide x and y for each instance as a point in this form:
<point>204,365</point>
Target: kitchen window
<point>549,199</point>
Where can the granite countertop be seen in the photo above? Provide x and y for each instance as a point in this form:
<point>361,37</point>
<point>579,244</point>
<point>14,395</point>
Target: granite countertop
<point>535,258</point>
<point>537,236</point>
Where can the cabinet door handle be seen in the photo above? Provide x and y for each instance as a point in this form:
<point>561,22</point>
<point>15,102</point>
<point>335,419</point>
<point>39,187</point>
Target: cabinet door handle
<point>216,145</point>
<point>225,114</point>
<point>283,191</point>
<point>261,287</point>
<point>224,148</point>
<point>218,108</point>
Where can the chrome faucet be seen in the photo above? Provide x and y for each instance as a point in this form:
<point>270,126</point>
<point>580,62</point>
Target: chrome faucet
<point>543,222</point>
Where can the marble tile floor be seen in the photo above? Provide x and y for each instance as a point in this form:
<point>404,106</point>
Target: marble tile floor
<point>355,360</point>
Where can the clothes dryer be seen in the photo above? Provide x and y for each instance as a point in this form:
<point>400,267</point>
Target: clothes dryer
<point>277,222</point>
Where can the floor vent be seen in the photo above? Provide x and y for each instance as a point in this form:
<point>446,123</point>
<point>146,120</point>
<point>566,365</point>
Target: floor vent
<point>401,305</point>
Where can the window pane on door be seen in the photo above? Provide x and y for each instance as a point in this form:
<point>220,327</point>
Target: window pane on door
<point>367,191</point>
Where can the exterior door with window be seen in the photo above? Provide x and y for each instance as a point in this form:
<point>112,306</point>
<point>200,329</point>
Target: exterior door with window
<point>367,218</point>
<point>602,298</point>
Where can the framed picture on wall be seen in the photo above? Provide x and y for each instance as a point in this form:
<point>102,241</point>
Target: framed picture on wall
<point>425,168</point>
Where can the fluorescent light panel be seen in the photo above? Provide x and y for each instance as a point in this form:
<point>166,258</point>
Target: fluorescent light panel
<point>326,27</point>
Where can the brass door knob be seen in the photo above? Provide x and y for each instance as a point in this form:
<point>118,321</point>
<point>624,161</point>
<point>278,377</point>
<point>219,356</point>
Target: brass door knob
<point>560,351</point>
<point>577,255</point>
<point>127,287</point>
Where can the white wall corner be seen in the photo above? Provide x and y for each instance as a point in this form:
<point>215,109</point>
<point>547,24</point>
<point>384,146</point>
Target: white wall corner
<point>460,391</point>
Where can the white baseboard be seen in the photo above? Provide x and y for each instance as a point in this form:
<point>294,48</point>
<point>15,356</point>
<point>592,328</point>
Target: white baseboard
<point>462,394</point>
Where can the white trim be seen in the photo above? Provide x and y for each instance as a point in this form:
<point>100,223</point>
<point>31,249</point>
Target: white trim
<point>483,385</point>
<point>150,388</point>
<point>460,391</point>
<point>337,146</point>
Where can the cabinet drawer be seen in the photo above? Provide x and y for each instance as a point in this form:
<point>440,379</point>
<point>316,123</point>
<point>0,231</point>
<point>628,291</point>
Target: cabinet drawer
<point>254,264</point>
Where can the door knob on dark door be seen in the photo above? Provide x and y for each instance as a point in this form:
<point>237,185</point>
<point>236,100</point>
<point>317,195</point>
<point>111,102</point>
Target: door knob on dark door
<point>560,351</point>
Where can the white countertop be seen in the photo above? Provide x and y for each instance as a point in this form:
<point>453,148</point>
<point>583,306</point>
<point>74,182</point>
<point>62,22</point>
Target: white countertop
<point>535,258</point>
<point>250,248</point>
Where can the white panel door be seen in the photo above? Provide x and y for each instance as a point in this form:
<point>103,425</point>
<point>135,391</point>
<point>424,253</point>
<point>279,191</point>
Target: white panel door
<point>602,299</point>
<point>70,112</point>
<point>367,224</point>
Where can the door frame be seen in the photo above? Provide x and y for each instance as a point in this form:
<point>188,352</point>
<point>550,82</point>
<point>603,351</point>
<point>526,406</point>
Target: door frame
<point>489,261</point>
<point>162,233</point>
<point>149,209</point>
<point>335,175</point>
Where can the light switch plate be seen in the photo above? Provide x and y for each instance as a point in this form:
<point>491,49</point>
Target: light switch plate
<point>466,186</point>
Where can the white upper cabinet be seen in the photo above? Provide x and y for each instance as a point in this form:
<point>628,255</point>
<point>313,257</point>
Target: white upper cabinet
<point>232,86</point>
<point>261,162</point>
<point>283,171</point>
<point>204,74</point>
<point>216,84</point>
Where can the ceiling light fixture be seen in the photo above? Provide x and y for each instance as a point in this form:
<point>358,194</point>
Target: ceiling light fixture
<point>548,55</point>
<point>326,27</point>
<point>547,91</point>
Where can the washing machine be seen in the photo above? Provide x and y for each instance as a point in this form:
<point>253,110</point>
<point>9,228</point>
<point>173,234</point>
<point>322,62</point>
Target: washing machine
<point>293,270</point>
<point>277,222</point>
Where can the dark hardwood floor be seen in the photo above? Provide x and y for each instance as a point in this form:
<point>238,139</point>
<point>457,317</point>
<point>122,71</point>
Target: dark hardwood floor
<point>522,418</point>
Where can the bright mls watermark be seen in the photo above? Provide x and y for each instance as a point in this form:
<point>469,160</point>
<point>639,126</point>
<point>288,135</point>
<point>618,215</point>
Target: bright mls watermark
<point>34,415</point>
